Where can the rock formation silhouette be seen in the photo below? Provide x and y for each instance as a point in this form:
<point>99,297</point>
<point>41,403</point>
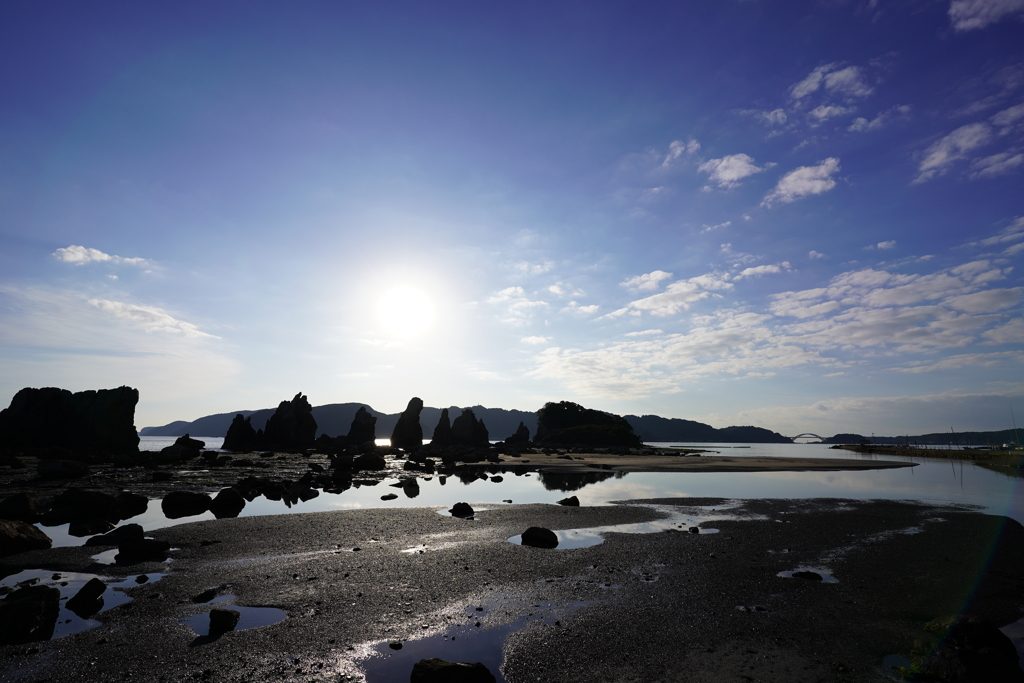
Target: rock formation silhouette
<point>101,420</point>
<point>408,434</point>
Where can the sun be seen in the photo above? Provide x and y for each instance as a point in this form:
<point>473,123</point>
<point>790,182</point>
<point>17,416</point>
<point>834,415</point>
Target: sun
<point>405,311</point>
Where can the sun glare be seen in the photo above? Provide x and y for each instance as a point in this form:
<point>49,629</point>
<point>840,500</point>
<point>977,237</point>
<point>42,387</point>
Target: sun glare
<point>405,311</point>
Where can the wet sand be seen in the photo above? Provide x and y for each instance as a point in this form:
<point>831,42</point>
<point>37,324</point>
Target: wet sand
<point>638,607</point>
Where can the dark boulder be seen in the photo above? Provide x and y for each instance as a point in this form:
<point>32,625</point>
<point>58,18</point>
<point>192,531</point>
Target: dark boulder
<point>62,469</point>
<point>241,437</point>
<point>19,507</point>
<point>408,434</point>
<point>179,504</point>
<point>370,461</point>
<point>972,649</point>
<point>19,537</point>
<point>292,425</point>
<point>522,435</point>
<point>76,504</point>
<point>464,510</point>
<point>539,537</point>
<point>88,420</point>
<point>89,599</point>
<point>183,448</point>
<point>571,501</point>
<point>146,550</point>
<point>188,442</point>
<point>223,620</point>
<point>411,488</point>
<point>468,431</point>
<point>439,671</point>
<point>363,429</point>
<point>128,533</point>
<point>443,431</point>
<point>805,575</point>
<point>131,505</point>
<point>228,503</point>
<point>28,615</point>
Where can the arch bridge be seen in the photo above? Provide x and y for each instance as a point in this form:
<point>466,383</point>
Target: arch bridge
<point>807,435</point>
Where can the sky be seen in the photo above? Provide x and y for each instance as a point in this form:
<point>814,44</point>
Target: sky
<point>803,215</point>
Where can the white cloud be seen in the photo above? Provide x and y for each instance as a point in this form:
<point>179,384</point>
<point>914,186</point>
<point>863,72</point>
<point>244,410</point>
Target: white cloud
<point>149,318</point>
<point>758,271</point>
<point>823,113</point>
<point>565,289</point>
<point>950,149</point>
<point>576,307</point>
<point>80,256</point>
<point>770,118</point>
<point>645,333</point>
<point>861,124</point>
<point>1011,233</point>
<point>967,15</point>
<point>987,301</point>
<point>1007,118</point>
<point>518,307</point>
<point>507,294</point>
<point>996,164</point>
<point>803,182</point>
<point>709,228</point>
<point>963,360</point>
<point>647,282</point>
<point>677,297</point>
<point>888,244</point>
<point>678,149</point>
<point>528,268</point>
<point>728,171</point>
<point>1010,333</point>
<point>849,81</point>
<point>815,255</point>
<point>535,340</point>
<point>737,258</point>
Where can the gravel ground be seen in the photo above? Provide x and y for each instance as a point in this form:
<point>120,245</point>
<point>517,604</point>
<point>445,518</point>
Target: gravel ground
<point>667,606</point>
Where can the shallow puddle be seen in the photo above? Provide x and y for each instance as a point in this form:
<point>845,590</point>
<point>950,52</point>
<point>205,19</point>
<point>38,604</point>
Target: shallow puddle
<point>69,583</point>
<point>249,617</point>
<point>807,572</point>
<point>465,643</point>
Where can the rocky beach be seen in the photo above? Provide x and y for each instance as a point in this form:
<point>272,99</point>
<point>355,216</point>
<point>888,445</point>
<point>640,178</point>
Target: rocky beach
<point>666,589</point>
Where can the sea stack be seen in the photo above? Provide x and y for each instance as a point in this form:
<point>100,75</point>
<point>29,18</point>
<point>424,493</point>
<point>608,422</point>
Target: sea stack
<point>408,434</point>
<point>363,429</point>
<point>292,425</point>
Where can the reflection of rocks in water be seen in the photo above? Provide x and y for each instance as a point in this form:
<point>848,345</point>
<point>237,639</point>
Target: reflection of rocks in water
<point>574,481</point>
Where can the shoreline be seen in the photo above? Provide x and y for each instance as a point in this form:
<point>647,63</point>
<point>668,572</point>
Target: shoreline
<point>898,565</point>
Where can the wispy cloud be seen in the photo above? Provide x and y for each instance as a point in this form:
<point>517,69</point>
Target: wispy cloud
<point>80,256</point>
<point>969,15</point>
<point>678,296</point>
<point>803,182</point>
<point>848,81</point>
<point>942,154</point>
<point>815,255</point>
<point>647,282</point>
<point>149,318</point>
<point>708,228</point>
<point>535,340</point>
<point>769,269</point>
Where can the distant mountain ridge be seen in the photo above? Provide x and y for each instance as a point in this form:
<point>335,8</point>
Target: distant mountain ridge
<point>655,428</point>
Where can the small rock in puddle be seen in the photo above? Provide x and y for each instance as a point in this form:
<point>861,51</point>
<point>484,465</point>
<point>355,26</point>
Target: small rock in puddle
<point>463,510</point>
<point>223,620</point>
<point>808,576</point>
<point>539,537</point>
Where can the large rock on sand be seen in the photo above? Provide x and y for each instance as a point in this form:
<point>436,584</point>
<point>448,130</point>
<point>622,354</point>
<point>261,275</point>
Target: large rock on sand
<point>292,425</point>
<point>363,429</point>
<point>179,504</point>
<point>28,615</point>
<point>241,437</point>
<point>408,434</point>
<point>101,420</point>
<point>18,537</point>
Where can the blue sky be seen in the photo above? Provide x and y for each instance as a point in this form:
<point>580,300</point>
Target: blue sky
<point>807,216</point>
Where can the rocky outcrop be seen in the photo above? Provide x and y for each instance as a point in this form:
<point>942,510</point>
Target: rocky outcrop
<point>972,649</point>
<point>539,537</point>
<point>101,420</point>
<point>241,437</point>
<point>18,537</point>
<point>129,533</point>
<point>569,423</point>
<point>522,435</point>
<point>28,615</point>
<point>439,671</point>
<point>184,448</point>
<point>571,501</point>
<point>468,431</point>
<point>443,431</point>
<point>408,434</point>
<point>363,429</point>
<point>292,425</point>
<point>146,550</point>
